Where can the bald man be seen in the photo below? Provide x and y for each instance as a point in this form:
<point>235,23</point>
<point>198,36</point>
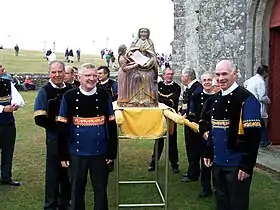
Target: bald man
<point>235,128</point>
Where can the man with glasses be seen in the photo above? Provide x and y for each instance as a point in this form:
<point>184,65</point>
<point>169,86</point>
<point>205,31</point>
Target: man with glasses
<point>88,138</point>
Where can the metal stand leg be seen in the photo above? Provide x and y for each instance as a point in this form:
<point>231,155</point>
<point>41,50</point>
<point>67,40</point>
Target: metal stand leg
<point>166,167</point>
<point>156,160</point>
<point>164,197</point>
<point>117,174</point>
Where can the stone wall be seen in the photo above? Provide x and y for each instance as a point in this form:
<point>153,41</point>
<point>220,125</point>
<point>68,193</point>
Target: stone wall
<point>178,44</point>
<point>191,34</point>
<point>222,33</point>
<point>207,31</point>
<point>40,79</point>
<point>185,43</point>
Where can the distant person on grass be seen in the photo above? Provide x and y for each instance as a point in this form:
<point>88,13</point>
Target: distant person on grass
<point>70,56</point>
<point>16,48</point>
<point>48,53</point>
<point>108,59</point>
<point>66,54</point>
<point>51,57</point>
<point>78,52</point>
<point>29,84</point>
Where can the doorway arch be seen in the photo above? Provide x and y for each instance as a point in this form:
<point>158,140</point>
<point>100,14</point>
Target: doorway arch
<point>263,22</point>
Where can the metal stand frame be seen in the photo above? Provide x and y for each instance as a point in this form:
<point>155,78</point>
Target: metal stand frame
<point>164,197</point>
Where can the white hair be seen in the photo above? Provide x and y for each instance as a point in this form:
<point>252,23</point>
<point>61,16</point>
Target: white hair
<point>169,69</point>
<point>85,66</point>
<point>71,68</point>
<point>190,72</point>
<point>207,73</point>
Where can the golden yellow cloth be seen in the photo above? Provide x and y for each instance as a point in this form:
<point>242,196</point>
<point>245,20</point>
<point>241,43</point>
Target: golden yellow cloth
<point>173,118</point>
<point>143,123</point>
<point>119,117</point>
<point>192,125</point>
<point>149,123</point>
<point>172,115</point>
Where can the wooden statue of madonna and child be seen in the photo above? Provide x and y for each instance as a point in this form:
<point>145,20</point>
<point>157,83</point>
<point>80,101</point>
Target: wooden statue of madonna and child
<point>138,73</point>
<point>137,77</point>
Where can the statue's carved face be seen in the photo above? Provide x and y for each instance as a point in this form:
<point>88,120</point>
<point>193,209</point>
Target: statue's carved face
<point>143,33</point>
<point>122,50</point>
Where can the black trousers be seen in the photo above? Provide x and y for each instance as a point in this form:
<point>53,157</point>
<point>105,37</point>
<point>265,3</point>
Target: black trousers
<point>206,177</point>
<point>7,145</point>
<point>231,194</point>
<point>57,184</point>
<point>99,174</point>
<point>173,149</point>
<point>206,172</point>
<point>194,148</point>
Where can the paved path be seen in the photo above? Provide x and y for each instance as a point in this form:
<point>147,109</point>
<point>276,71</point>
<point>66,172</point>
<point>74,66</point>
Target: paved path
<point>270,158</point>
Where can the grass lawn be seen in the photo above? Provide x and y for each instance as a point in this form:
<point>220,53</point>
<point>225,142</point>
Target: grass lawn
<point>33,61</point>
<point>29,162</point>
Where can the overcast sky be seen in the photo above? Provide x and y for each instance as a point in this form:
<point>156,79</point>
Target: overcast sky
<point>77,23</point>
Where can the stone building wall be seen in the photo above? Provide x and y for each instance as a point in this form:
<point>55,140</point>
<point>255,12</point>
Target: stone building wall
<point>185,44</point>
<point>40,79</point>
<point>178,44</point>
<point>222,33</point>
<point>207,31</point>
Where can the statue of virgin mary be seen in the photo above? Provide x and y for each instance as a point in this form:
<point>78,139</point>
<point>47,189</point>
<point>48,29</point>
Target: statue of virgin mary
<point>142,74</point>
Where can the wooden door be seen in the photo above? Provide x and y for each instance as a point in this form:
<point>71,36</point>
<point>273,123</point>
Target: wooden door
<point>274,86</point>
<point>274,76</point>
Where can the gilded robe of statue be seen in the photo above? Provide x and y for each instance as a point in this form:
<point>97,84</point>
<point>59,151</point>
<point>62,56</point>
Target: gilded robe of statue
<point>139,87</point>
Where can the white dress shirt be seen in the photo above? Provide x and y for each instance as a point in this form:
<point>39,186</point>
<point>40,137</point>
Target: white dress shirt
<point>256,85</point>
<point>88,93</point>
<point>104,82</point>
<point>230,89</point>
<point>55,86</point>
